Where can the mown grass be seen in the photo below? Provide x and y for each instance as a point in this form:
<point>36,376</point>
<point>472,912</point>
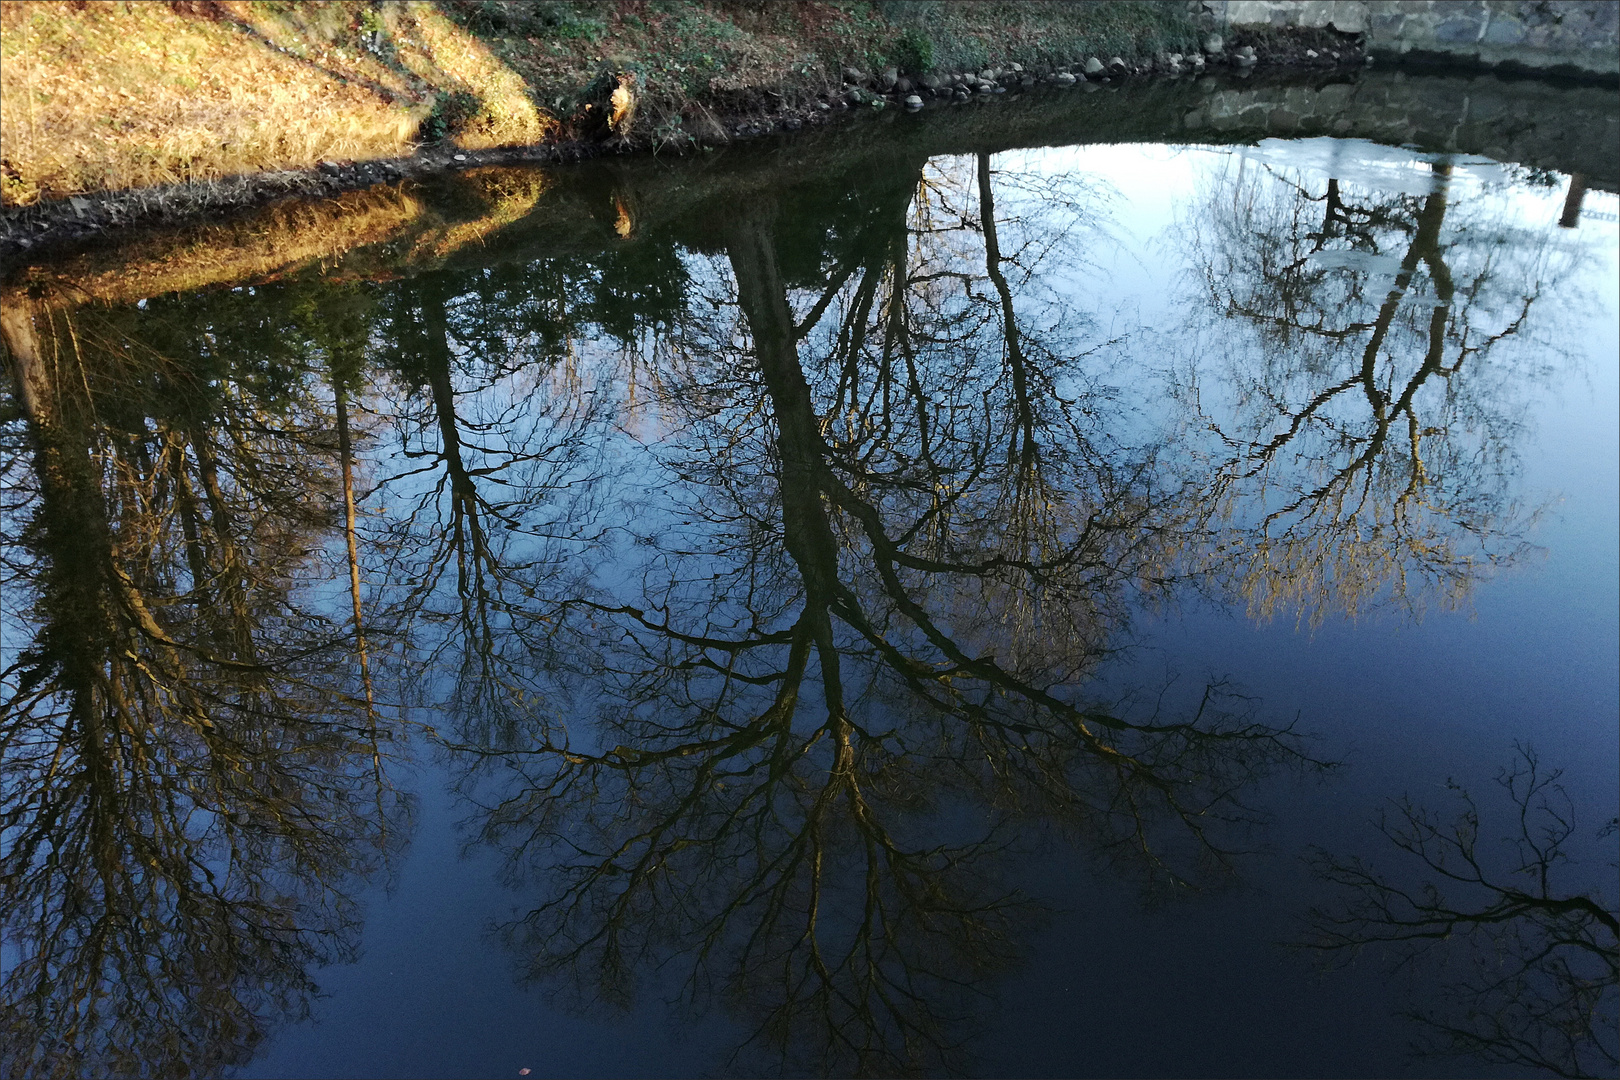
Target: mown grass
<point>116,95</point>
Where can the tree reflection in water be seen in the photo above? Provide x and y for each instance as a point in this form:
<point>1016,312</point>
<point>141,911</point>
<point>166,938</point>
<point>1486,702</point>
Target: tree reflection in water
<point>192,778</point>
<point>1540,987</point>
<point>758,571</point>
<point>851,651</point>
<point>1372,347</point>
<point>1371,457</point>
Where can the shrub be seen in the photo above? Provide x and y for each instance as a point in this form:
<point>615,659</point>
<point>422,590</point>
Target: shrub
<point>451,111</point>
<point>913,51</point>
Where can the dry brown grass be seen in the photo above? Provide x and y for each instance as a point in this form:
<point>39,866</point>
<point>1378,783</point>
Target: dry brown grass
<point>110,96</point>
<point>445,55</point>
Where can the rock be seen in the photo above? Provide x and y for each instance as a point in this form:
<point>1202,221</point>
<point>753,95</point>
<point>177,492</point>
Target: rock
<point>902,85</point>
<point>1247,50</point>
<point>1019,68</point>
<point>793,123</point>
<point>1213,44</point>
<point>987,75</point>
<point>914,102</point>
<point>459,157</point>
<point>930,82</point>
<point>987,88</point>
<point>888,79</point>
<point>1176,58</point>
<point>1312,54</point>
<point>1094,66</point>
<point>1115,64</point>
<point>823,106</point>
<point>1063,78</point>
<point>1245,60</point>
<point>854,75</point>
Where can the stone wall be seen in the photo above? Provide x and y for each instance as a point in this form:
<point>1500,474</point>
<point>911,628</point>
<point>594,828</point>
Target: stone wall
<point>1567,37</point>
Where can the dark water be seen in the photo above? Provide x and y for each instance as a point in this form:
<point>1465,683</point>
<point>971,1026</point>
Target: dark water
<point>944,598</point>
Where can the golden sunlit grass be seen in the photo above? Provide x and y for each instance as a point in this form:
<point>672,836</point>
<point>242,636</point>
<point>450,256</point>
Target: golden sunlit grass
<point>110,96</point>
<point>443,53</point>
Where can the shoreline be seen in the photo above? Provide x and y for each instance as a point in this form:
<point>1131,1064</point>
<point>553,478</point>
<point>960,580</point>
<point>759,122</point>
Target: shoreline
<point>51,227</point>
<point>58,227</point>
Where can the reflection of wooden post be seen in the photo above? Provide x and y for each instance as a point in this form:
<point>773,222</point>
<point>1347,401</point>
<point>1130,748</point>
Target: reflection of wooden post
<point>1572,202</point>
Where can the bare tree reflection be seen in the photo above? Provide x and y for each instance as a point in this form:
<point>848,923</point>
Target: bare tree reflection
<point>1365,432</point>
<point>1540,981</point>
<point>761,572</point>
<point>190,780</point>
<point>493,443</point>
<point>847,652</point>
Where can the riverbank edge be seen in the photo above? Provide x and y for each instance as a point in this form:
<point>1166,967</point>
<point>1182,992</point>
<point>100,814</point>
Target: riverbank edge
<point>51,228</point>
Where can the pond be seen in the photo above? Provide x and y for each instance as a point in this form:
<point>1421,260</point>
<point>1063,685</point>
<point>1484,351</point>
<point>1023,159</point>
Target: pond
<point>1113,584</point>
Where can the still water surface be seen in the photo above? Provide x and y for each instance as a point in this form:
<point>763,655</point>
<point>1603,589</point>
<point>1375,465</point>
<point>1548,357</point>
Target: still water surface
<point>959,607</point>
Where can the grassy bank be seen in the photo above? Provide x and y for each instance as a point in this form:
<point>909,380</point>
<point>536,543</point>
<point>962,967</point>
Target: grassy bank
<point>109,96</point>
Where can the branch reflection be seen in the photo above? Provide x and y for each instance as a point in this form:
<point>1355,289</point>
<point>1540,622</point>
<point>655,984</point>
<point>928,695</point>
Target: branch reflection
<point>760,573</point>
<point>192,781</point>
<point>883,546</point>
<point>1368,399</point>
<point>1540,981</point>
